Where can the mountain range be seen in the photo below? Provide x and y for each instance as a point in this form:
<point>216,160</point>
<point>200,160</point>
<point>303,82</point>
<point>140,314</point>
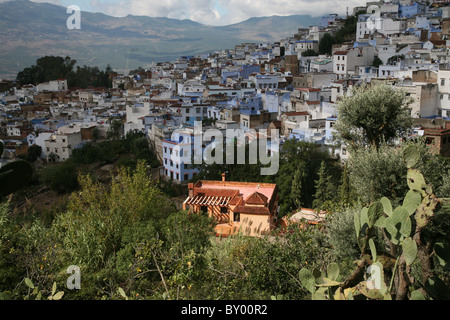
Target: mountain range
<point>30,30</point>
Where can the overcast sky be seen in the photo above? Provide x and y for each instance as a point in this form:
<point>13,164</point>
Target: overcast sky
<point>212,12</point>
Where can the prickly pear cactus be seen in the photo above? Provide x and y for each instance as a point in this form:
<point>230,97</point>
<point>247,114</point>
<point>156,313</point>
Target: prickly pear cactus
<point>402,228</point>
<point>14,175</point>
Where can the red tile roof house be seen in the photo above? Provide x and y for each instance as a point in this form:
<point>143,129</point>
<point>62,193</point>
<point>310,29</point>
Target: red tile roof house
<point>245,207</point>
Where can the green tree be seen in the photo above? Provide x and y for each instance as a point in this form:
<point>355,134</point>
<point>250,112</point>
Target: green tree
<point>54,67</point>
<point>346,192</point>
<point>377,62</point>
<point>61,177</point>
<point>309,53</point>
<point>305,159</point>
<point>373,114</point>
<point>326,190</point>
<point>374,174</point>
<point>296,191</point>
<point>46,69</point>
<point>326,44</point>
<point>34,152</point>
<point>115,130</point>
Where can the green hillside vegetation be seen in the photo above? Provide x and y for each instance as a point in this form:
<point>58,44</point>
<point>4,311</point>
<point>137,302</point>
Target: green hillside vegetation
<point>131,242</point>
<point>346,33</point>
<point>50,68</point>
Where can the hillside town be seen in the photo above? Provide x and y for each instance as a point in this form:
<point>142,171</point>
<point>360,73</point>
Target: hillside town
<point>313,167</point>
<point>286,86</point>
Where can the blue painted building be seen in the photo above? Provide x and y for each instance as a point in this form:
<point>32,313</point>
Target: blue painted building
<point>409,11</point>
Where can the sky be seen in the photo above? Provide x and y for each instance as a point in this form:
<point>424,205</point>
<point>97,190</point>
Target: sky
<point>212,12</point>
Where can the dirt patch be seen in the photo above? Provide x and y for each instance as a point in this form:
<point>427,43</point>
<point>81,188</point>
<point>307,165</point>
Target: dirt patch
<point>43,201</point>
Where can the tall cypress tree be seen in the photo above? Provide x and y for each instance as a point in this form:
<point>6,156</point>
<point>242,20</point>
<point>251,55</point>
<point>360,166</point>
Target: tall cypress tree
<point>345,188</point>
<point>321,185</point>
<point>296,191</point>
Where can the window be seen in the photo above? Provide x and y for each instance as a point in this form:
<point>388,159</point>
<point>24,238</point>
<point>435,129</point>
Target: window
<point>186,176</point>
<point>442,82</point>
<point>223,209</point>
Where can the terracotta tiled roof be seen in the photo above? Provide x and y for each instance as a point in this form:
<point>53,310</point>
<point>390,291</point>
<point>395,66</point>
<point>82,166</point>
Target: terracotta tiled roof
<point>256,198</point>
<point>208,200</point>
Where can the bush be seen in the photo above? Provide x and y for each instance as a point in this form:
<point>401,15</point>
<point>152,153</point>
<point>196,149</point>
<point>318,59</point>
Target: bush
<point>62,177</point>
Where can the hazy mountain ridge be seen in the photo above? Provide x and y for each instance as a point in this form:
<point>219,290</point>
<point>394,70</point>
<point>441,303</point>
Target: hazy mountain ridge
<point>30,30</point>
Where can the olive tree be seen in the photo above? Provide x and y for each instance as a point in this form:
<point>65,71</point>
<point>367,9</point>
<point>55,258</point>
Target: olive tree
<point>373,114</point>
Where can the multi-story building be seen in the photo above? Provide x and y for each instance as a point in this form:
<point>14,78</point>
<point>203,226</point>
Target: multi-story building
<point>135,117</point>
<point>443,80</point>
<point>178,156</point>
<point>346,61</point>
<point>55,85</point>
<point>426,98</point>
<point>306,45</point>
<point>60,146</point>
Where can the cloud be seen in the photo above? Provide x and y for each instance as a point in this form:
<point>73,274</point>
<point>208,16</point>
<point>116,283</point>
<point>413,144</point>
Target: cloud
<point>197,10</point>
<point>239,10</point>
<point>213,12</point>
